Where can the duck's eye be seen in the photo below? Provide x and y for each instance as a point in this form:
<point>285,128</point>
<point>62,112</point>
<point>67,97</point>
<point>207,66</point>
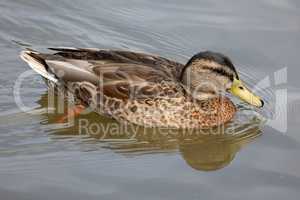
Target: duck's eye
<point>240,87</point>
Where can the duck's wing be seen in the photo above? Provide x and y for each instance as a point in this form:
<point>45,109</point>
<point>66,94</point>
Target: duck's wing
<point>116,74</point>
<point>118,56</point>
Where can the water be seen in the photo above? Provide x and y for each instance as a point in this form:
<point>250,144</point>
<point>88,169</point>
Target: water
<point>40,159</point>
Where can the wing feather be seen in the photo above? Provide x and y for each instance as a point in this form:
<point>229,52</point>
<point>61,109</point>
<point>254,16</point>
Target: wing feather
<point>118,74</point>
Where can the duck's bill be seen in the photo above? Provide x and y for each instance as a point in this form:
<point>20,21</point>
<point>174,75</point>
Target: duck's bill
<point>239,90</point>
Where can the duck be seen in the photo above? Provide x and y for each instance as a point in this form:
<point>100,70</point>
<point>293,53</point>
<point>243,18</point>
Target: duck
<point>144,89</point>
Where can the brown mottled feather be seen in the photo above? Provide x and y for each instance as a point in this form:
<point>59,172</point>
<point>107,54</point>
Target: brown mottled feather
<point>133,87</point>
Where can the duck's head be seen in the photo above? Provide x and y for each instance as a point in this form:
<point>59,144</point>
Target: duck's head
<point>209,74</point>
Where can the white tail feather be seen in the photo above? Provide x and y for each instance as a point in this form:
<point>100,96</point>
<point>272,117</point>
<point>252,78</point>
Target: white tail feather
<point>36,65</point>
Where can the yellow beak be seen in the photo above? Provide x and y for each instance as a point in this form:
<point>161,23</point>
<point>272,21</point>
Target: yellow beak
<point>239,90</point>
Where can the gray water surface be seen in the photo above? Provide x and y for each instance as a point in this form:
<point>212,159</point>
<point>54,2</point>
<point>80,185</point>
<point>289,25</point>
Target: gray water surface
<point>39,160</point>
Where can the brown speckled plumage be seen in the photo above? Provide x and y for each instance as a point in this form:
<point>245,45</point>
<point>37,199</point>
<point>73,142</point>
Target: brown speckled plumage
<point>132,87</point>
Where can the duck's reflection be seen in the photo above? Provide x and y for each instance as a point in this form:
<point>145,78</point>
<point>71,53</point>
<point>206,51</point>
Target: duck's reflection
<point>204,150</point>
<point>208,154</point>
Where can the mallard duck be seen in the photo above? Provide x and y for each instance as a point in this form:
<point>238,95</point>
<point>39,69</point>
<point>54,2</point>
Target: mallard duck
<point>145,89</point>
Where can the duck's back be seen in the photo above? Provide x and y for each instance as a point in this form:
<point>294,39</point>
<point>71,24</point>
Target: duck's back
<point>124,58</point>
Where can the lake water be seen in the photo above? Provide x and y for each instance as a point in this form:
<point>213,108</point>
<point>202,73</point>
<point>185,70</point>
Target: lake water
<point>40,159</point>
